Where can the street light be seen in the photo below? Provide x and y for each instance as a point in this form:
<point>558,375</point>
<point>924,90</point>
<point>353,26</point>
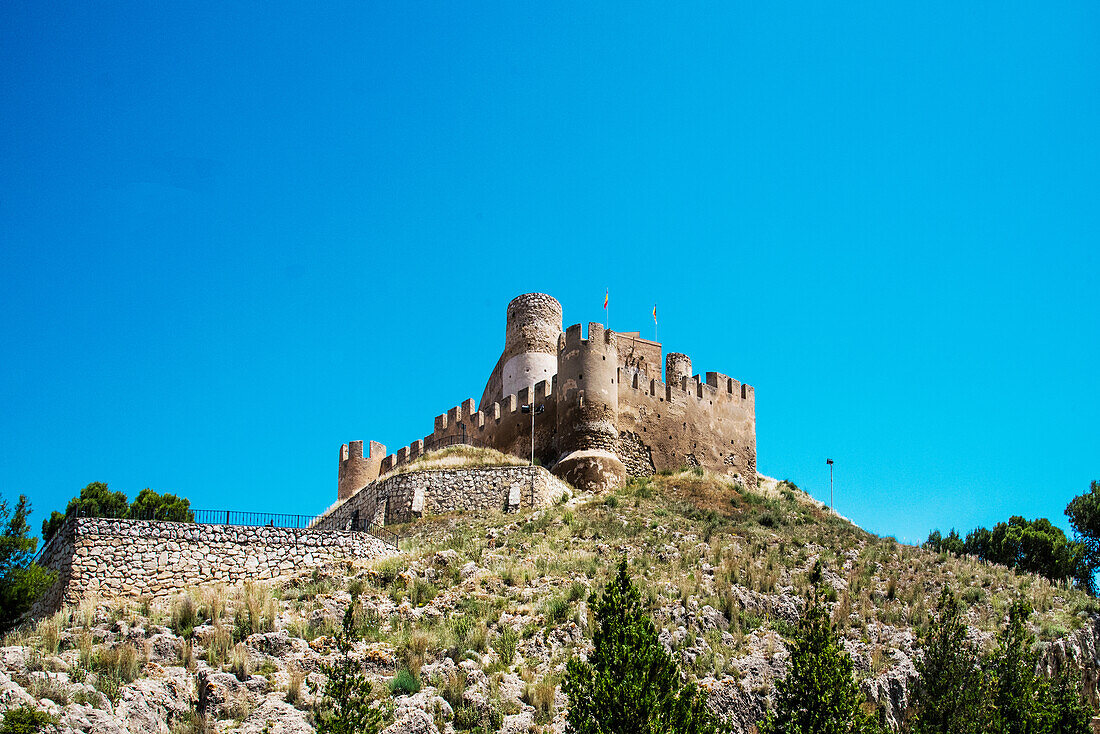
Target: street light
<point>533,410</point>
<point>830,463</point>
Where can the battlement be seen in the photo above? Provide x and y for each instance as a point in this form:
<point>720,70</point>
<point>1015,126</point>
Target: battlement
<point>716,386</point>
<point>354,470</point>
<point>572,337</point>
<point>599,392</point>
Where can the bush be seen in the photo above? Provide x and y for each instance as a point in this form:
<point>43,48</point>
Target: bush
<point>1034,546</point>
<point>25,720</point>
<point>149,505</point>
<point>404,683</point>
<point>21,582</point>
<point>184,616</point>
<point>95,500</point>
<point>505,645</point>
<point>960,691</point>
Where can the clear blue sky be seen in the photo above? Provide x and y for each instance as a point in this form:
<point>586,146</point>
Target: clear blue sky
<point>232,238</point>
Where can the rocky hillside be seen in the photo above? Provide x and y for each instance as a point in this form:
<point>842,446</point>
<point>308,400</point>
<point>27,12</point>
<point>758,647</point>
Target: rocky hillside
<point>470,628</point>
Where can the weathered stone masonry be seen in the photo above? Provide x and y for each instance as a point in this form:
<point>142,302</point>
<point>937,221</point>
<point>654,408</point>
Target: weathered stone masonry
<point>404,497</point>
<point>112,557</point>
<point>607,413</point>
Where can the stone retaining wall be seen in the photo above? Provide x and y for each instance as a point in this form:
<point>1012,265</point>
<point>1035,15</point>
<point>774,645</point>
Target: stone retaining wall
<point>111,557</point>
<point>404,497</point>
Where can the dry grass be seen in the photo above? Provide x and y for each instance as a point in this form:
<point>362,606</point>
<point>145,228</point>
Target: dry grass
<point>454,457</point>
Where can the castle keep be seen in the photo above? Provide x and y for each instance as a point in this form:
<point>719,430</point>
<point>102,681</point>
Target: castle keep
<point>607,413</point>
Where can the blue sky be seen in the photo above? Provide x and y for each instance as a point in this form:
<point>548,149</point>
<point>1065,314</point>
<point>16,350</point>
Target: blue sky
<point>233,237</point>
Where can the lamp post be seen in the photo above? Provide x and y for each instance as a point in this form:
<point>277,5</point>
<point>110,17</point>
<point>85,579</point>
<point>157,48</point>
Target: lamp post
<point>830,463</point>
<point>532,409</point>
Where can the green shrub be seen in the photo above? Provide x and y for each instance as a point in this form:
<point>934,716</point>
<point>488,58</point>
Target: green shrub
<point>25,720</point>
<point>21,582</point>
<point>184,616</point>
<point>505,645</point>
<point>557,609</point>
<point>386,572</point>
<point>422,593</point>
<point>404,683</point>
<point>120,662</point>
<point>149,505</point>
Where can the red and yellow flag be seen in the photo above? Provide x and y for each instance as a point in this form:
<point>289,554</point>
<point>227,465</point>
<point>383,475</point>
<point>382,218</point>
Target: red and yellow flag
<point>654,313</point>
<point>606,295</point>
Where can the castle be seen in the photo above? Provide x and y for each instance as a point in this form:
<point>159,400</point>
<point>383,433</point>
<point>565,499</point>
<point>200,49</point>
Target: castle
<point>605,413</point>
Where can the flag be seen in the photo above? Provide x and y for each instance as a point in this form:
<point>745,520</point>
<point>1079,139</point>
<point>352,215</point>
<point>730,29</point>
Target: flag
<point>606,294</point>
<point>654,313</point>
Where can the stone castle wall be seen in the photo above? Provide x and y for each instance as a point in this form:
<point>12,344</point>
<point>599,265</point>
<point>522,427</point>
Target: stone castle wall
<point>112,557</point>
<point>405,497</point>
<point>707,421</point>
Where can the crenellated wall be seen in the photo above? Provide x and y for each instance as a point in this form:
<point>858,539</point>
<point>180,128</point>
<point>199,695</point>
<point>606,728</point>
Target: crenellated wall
<point>709,423</point>
<point>356,470</point>
<point>606,397</point>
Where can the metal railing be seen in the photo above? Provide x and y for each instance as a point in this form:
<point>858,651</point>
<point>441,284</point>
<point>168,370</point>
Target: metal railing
<point>337,522</point>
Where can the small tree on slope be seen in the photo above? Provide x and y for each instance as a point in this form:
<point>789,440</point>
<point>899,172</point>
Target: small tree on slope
<point>1025,702</point>
<point>949,693</point>
<point>345,705</point>
<point>818,694</point>
<point>630,684</point>
<point>21,582</point>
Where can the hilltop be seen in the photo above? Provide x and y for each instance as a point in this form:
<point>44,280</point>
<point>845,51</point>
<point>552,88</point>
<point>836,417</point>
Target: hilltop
<point>483,610</point>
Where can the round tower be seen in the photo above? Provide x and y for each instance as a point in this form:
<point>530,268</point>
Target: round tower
<point>355,470</point>
<point>588,409</point>
<point>530,342</point>
<point>677,367</point>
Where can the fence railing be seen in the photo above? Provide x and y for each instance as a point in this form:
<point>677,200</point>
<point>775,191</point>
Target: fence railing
<point>337,522</point>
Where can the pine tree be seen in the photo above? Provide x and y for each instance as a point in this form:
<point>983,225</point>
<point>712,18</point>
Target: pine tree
<point>1064,710</point>
<point>949,694</point>
<point>630,685</point>
<point>21,581</point>
<point>1014,677</point>
<point>818,694</point>
<point>345,706</point>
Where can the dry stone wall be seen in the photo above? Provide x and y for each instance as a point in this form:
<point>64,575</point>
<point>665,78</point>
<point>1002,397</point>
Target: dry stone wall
<point>111,557</point>
<point>404,497</point>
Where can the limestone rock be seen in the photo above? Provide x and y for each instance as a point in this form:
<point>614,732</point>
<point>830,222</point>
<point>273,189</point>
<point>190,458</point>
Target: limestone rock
<point>413,721</point>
